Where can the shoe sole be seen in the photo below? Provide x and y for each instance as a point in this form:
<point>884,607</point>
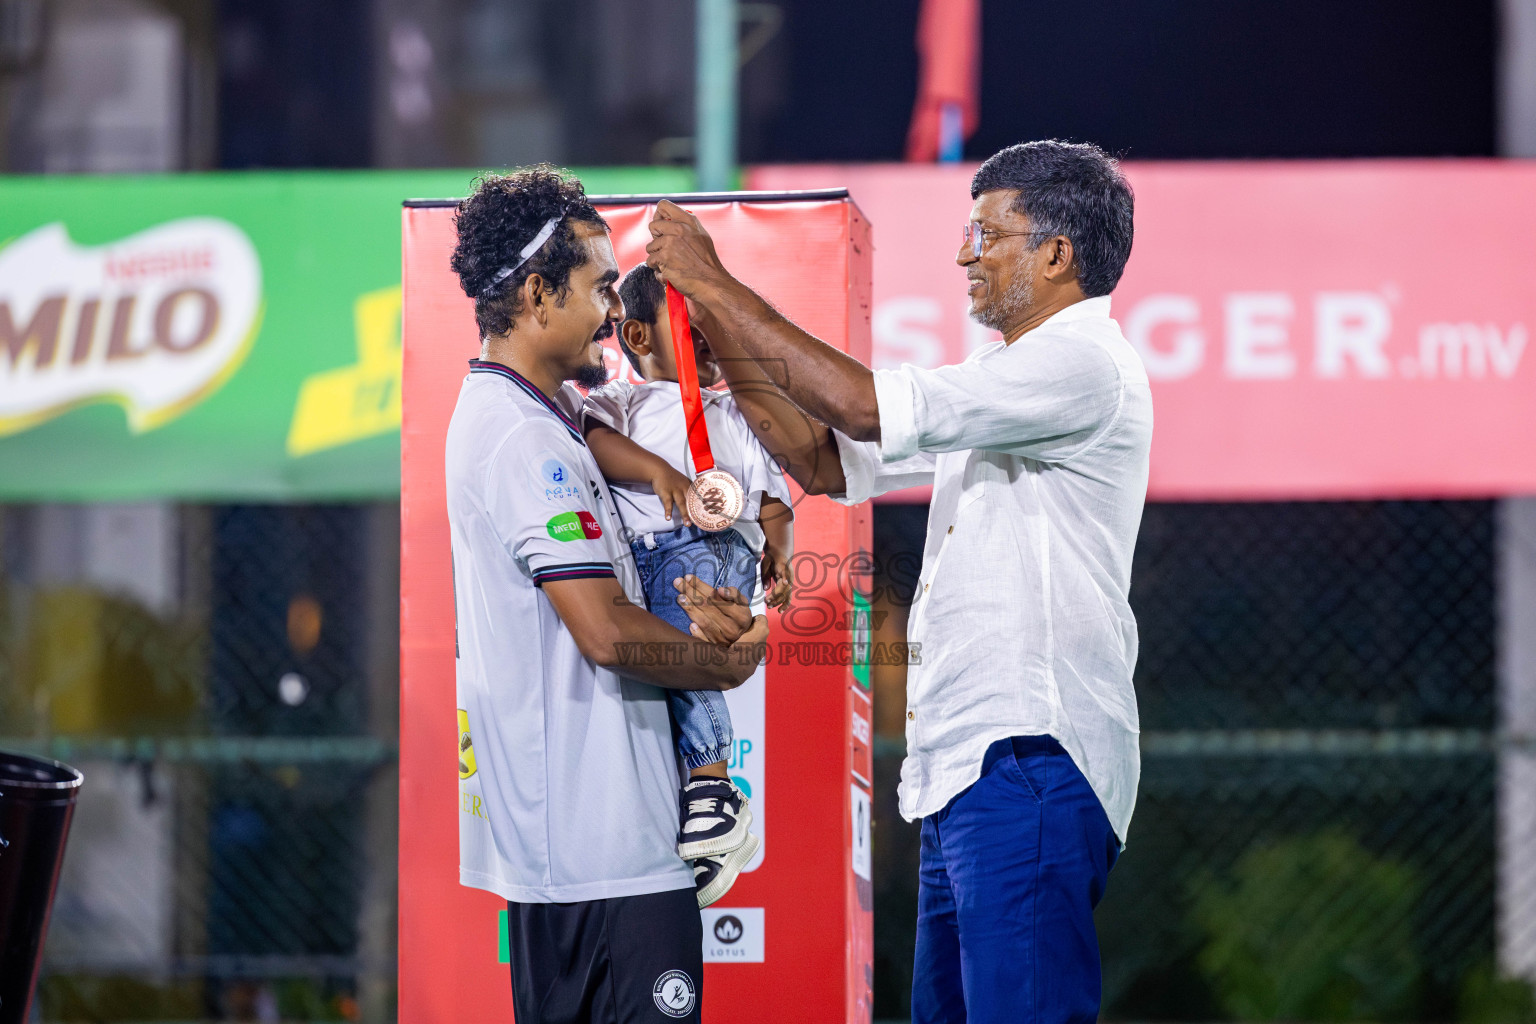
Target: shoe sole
<point>730,867</point>
<point>719,846</point>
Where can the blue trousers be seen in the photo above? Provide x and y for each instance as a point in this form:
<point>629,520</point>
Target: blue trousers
<point>1009,873</point>
<point>722,560</point>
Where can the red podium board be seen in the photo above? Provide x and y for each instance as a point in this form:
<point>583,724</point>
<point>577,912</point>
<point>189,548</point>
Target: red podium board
<point>792,940</point>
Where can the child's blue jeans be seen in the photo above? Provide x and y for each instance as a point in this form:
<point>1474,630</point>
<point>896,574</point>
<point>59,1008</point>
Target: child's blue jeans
<point>722,560</point>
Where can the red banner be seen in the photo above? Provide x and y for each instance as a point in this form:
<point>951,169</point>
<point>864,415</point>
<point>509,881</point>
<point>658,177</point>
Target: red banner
<point>793,939</point>
<point>1312,330</point>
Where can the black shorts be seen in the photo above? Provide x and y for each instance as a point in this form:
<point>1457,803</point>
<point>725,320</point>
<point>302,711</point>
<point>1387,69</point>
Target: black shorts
<point>627,960</point>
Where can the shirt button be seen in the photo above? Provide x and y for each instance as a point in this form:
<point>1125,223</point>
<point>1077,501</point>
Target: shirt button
<point>925,588</point>
<point>911,715</point>
<point>950,530</point>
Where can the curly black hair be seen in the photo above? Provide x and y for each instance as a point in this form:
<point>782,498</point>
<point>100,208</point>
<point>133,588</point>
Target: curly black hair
<point>503,214</point>
<point>1072,189</point>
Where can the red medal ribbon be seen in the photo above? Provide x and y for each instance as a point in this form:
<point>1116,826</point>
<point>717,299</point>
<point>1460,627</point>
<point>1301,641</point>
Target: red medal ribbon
<point>688,382</point>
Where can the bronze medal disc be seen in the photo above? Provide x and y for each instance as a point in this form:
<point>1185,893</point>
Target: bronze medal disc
<point>715,499</point>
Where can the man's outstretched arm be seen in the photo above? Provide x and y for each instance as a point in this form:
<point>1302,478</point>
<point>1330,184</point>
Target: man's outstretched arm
<point>802,446</point>
<point>830,385</point>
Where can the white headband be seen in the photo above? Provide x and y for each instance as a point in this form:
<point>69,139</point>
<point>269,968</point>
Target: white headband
<point>528,250</point>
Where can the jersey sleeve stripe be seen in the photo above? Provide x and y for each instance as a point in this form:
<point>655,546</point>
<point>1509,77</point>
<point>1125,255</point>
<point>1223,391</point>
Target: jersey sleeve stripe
<point>572,571</point>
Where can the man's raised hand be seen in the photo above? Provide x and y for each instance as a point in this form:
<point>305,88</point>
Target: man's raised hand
<point>681,251</point>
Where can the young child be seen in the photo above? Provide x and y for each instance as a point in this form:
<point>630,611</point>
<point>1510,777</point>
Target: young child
<point>638,437</point>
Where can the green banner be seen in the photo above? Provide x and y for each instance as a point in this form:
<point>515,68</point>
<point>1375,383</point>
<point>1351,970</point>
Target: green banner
<point>216,337</point>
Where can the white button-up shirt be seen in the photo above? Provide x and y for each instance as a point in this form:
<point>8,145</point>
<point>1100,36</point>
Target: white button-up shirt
<point>1037,453</point>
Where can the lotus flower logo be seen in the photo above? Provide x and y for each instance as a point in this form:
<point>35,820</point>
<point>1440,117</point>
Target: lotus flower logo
<point>154,322</point>
<point>728,929</point>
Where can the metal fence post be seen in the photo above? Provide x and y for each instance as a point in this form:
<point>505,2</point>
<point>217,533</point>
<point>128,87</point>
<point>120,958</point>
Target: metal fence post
<point>716,94</point>
<point>1516,582</point>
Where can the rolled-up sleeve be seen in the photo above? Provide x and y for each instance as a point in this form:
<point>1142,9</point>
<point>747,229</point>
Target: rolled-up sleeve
<point>1044,398</point>
<point>897,403</point>
<point>867,474</point>
<point>872,468</point>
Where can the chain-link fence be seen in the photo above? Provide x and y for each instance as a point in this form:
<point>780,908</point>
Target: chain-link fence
<point>1315,837</point>
<point>226,677</point>
<point>1315,834</point>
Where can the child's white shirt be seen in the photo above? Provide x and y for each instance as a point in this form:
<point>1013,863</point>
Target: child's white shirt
<point>651,415</point>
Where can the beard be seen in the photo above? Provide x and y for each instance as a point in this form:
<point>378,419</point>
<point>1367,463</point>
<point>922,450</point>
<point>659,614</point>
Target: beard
<point>1008,308</point>
<point>591,375</point>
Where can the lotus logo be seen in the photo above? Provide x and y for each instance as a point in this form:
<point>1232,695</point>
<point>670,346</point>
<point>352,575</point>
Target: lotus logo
<point>154,322</point>
<point>728,929</point>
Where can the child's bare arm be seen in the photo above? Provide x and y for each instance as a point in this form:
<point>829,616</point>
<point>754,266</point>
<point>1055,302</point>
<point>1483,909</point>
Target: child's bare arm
<point>778,522</point>
<point>622,459</point>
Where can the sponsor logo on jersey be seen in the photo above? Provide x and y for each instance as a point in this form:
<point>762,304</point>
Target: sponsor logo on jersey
<point>557,482</point>
<point>466,747</point>
<point>473,805</point>
<point>555,472</point>
<point>574,526</point>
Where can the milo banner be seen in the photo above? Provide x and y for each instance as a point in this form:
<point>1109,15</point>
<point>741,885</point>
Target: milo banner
<point>221,336</point>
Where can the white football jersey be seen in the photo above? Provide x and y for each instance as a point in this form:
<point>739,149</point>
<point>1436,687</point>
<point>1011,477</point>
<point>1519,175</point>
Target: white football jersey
<point>568,773</point>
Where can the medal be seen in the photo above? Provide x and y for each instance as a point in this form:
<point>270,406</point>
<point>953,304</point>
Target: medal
<point>715,498</point>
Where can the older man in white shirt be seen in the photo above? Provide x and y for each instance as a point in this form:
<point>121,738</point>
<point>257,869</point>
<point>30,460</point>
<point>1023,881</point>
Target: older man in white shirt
<point>1022,757</point>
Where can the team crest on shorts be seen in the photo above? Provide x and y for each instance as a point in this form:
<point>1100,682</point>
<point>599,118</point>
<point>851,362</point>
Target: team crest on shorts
<point>674,994</point>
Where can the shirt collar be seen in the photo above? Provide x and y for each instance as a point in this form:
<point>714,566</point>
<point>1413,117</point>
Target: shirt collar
<point>486,366</point>
<point>1096,306</point>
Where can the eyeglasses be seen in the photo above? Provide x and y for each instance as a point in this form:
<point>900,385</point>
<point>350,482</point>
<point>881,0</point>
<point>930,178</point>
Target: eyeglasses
<point>976,236</point>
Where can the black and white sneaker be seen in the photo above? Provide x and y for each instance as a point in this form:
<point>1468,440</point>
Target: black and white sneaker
<point>714,876</point>
<point>715,819</point>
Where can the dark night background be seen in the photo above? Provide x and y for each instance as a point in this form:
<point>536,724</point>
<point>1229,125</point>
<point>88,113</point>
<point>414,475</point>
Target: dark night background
<point>1154,79</point>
